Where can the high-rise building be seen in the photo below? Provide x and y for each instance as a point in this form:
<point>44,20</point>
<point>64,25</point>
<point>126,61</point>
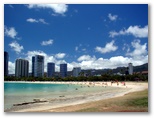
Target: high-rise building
<point>22,68</point>
<point>130,68</point>
<point>6,59</point>
<point>38,66</point>
<point>76,71</point>
<point>63,70</point>
<point>33,62</point>
<point>51,69</point>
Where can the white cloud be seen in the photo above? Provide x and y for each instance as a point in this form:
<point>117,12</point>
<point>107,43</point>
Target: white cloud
<point>31,20</point>
<point>57,8</point>
<point>49,42</point>
<point>88,62</point>
<point>16,47</point>
<point>60,55</point>
<point>42,21</point>
<point>139,50</point>
<point>112,17</point>
<point>113,62</point>
<point>10,32</point>
<point>136,31</point>
<point>11,67</point>
<point>126,47</point>
<point>114,33</point>
<point>108,48</point>
<point>86,58</point>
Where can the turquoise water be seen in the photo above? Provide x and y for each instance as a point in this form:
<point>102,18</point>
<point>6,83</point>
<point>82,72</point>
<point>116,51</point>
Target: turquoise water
<point>16,92</point>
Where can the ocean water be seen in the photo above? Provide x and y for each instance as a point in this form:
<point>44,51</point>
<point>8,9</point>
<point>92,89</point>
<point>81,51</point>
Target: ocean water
<point>19,92</point>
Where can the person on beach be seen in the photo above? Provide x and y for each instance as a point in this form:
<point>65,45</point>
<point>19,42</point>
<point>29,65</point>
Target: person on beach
<point>111,83</point>
<point>123,83</point>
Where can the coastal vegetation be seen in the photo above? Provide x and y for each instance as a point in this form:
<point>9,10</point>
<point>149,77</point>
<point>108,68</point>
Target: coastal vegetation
<point>103,77</point>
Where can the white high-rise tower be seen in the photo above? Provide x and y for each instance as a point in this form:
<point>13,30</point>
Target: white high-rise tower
<point>130,68</point>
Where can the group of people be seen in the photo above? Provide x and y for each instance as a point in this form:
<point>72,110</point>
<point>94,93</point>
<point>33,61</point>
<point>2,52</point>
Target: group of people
<point>123,83</point>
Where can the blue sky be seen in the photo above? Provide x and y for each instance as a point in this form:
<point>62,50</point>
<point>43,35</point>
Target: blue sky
<point>91,36</point>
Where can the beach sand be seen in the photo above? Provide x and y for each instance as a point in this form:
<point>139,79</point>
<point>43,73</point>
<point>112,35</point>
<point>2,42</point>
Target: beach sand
<point>51,104</point>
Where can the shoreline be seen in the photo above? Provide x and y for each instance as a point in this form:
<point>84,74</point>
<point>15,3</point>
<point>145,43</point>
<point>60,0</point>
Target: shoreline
<point>90,83</point>
<point>63,102</point>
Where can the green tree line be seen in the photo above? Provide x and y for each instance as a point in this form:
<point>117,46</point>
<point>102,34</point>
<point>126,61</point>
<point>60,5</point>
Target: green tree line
<point>104,77</point>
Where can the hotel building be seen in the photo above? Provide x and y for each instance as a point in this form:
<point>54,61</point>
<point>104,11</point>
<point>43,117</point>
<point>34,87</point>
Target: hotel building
<point>6,59</point>
<point>63,70</point>
<point>76,71</point>
<point>130,68</point>
<point>33,62</point>
<point>22,68</point>
<point>38,66</point>
<point>51,69</point>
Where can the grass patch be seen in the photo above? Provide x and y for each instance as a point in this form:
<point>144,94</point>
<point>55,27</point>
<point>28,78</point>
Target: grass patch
<point>141,102</point>
<point>139,99</point>
<point>132,102</point>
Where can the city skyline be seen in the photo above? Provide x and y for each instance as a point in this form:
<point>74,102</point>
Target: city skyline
<point>86,36</point>
<point>21,69</point>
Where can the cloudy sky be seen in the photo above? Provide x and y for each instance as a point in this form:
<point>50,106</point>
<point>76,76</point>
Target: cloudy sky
<point>88,36</point>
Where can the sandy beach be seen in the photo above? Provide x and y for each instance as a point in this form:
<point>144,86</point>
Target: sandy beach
<point>124,88</point>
